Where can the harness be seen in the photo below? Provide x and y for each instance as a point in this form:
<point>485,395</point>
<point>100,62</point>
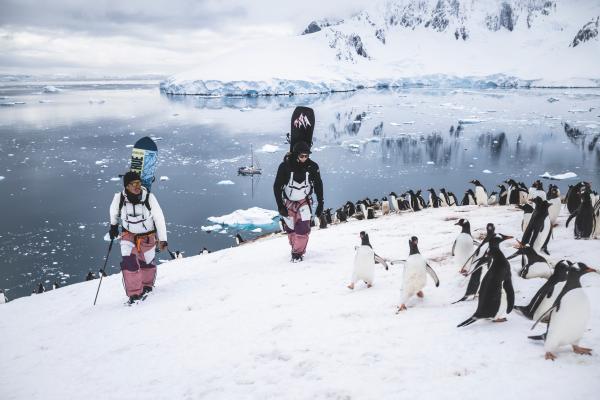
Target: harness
<point>146,203</point>
<point>295,191</point>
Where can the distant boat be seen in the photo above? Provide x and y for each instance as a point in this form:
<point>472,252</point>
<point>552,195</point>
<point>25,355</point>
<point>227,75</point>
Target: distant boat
<point>251,169</point>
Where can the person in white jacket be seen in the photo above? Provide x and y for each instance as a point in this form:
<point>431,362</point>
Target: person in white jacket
<point>142,224</point>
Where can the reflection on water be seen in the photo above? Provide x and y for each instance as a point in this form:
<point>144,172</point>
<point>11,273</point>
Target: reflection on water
<point>61,153</point>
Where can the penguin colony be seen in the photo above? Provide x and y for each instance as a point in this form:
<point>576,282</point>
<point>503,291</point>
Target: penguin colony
<point>561,303</point>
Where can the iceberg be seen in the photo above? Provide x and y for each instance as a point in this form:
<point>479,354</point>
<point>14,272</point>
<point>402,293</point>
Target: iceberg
<point>559,177</point>
<point>249,219</point>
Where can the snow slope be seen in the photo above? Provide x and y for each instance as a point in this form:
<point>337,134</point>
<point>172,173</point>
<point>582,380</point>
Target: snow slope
<point>245,323</point>
<point>440,43</point>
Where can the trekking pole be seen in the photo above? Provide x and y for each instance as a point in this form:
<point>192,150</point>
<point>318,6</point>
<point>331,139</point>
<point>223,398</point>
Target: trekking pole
<point>104,268</point>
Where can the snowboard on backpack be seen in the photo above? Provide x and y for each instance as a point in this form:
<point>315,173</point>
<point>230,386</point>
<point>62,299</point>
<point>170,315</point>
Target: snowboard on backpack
<point>144,158</point>
<point>303,125</point>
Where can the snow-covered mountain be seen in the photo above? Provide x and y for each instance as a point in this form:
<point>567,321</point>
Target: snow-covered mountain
<point>506,43</point>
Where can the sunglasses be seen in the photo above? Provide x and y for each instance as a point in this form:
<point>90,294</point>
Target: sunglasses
<point>303,156</point>
<point>135,184</point>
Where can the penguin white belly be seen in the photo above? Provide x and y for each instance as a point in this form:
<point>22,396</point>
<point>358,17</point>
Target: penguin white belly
<point>568,324</point>
<point>463,250</point>
<point>554,210</point>
<point>523,197</point>
<point>503,304</point>
<point>541,238</point>
<point>414,278</point>
<point>2,298</point>
<point>526,218</point>
<point>481,196</point>
<point>394,204</point>
<point>547,302</point>
<point>443,202</point>
<point>364,265</point>
<point>538,270</point>
<point>385,207</point>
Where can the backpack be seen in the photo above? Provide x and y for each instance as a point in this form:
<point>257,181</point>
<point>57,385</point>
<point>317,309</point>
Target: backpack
<point>146,202</point>
<point>302,126</point>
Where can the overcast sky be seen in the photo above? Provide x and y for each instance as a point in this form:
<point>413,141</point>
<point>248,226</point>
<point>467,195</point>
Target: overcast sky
<point>127,37</point>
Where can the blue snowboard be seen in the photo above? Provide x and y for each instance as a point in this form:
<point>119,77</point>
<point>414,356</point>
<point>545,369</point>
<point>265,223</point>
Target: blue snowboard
<point>144,159</point>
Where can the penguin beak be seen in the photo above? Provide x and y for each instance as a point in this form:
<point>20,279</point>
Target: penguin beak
<point>514,255</point>
<point>458,223</point>
<point>592,270</point>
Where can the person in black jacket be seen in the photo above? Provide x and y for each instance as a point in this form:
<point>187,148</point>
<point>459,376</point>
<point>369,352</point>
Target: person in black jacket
<point>298,177</point>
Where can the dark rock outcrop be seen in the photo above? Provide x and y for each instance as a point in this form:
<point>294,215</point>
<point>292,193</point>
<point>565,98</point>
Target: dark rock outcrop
<point>588,32</point>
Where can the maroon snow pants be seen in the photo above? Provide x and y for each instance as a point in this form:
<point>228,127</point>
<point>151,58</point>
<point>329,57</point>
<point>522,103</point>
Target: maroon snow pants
<point>138,265</point>
<point>299,219</point>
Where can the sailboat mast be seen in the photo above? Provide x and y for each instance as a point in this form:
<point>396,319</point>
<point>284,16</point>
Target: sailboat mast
<point>251,157</point>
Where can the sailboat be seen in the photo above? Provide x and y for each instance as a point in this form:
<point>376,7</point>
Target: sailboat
<point>252,169</point>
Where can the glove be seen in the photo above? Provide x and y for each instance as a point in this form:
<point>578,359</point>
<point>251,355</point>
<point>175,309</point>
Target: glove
<point>162,245</point>
<point>114,232</point>
<point>319,209</point>
<point>283,211</point>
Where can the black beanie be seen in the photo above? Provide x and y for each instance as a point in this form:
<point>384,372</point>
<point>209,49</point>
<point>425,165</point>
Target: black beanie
<point>130,177</point>
<point>301,148</point>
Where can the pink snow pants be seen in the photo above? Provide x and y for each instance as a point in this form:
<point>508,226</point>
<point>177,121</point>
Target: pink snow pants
<point>137,264</point>
<point>300,225</point>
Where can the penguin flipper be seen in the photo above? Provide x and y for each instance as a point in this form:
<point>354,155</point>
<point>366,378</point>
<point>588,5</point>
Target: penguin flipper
<point>544,315</point>
<point>510,294</point>
<point>571,217</point>
<point>538,337</point>
<point>433,275</point>
<point>453,247</point>
<point>458,301</point>
<point>382,261</point>
<point>467,322</point>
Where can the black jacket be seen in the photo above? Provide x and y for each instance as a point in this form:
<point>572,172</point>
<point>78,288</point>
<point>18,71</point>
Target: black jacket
<point>290,164</point>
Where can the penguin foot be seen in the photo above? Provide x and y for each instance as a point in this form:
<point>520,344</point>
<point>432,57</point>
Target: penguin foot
<point>420,294</point>
<point>582,350</point>
<point>369,285</point>
<point>549,356</point>
<point>351,286</point>
<point>500,320</point>
<point>401,307</point>
<point>463,272</point>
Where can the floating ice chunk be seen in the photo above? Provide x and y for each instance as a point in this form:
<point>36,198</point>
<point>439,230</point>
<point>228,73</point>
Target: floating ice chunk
<point>51,89</point>
<point>579,111</point>
<point>430,163</point>
<point>211,228</point>
<point>164,178</point>
<point>552,99</point>
<point>156,138</point>
<point>395,124</point>
<point>408,123</point>
<point>81,226</point>
<point>559,177</point>
<point>115,179</point>
<point>129,145</point>
<point>249,219</point>
<point>1,178</point>
<point>257,230</point>
<point>96,101</point>
<point>486,171</point>
<point>100,162</point>
<point>269,148</point>
<point>107,237</point>
<point>469,121</point>
<point>226,182</point>
<point>46,101</point>
<point>244,109</point>
<point>70,161</point>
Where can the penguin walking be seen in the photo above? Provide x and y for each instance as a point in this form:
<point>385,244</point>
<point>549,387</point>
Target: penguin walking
<point>481,197</point>
<point>535,265</point>
<point>444,199</point>
<point>496,295</point>
<point>463,246</point>
<point>584,217</point>
<point>544,298</point>
<point>553,197</point>
<point>421,199</point>
<point>527,211</point>
<point>364,262</point>
<point>55,285</point>
<point>415,274</point>
<point>538,231</point>
<point>434,200</point>
<point>568,316</point>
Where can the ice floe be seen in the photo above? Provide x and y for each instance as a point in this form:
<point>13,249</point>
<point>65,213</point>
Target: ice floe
<point>248,219</point>
<point>559,177</point>
<point>226,182</point>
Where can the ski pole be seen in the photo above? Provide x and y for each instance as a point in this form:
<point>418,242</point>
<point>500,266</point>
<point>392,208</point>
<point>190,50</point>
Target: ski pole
<point>104,268</point>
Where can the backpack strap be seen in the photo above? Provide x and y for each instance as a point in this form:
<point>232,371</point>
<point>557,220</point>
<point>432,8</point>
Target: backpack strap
<point>146,202</point>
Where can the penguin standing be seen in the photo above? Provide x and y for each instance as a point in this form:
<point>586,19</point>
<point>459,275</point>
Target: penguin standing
<point>444,199</point>
<point>539,228</point>
<point>463,246</point>
<point>568,316</point>
<point>55,285</point>
<point>434,200</point>
<point>502,196</point>
<point>496,295</point>
<point>544,298</point>
<point>481,197</point>
<point>527,211</point>
<point>573,197</point>
<point>536,190</point>
<point>493,199</point>
<point>3,298</point>
<point>513,192</point>
<point>453,201</point>
<point>394,202</point>
<point>414,201</point>
<point>469,198</point>
<point>553,197</point>
<point>584,217</point>
<point>385,206</point>
<point>596,219</point>
<point>415,274</point>
<point>364,262</point>
<point>535,266</point>
<point>421,199</point>
<point>341,215</point>
<point>40,289</point>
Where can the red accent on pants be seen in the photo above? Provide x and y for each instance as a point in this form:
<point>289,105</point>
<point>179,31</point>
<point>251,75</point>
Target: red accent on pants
<point>137,273</point>
<point>298,237</point>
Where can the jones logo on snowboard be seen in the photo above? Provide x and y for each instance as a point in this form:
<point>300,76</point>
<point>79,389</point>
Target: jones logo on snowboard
<point>302,127</point>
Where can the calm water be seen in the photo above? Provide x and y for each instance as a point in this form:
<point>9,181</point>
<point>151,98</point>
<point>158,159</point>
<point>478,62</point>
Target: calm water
<point>58,153</point>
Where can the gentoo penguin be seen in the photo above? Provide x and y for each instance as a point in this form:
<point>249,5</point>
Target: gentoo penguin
<point>385,206</point>
<point>3,298</point>
<point>545,296</point>
<point>364,262</point>
<point>568,316</point>
<point>328,217</point>
<point>527,211</point>
<point>480,265</point>
<point>523,193</point>
<point>90,276</point>
<point>553,197</point>
<point>573,197</point>
<point>584,217</point>
<point>539,228</point>
<point>415,274</point>
<point>322,221</point>
<point>238,239</point>
<point>535,265</point>
<point>502,196</point>
<point>453,201</point>
<point>513,192</point>
<point>536,190</point>
<point>469,198</point>
<point>434,200</point>
<point>481,197</point>
<point>496,295</point>
<point>493,199</point>
<point>414,201</point>
<point>421,199</point>
<point>350,209</point>
<point>55,285</point>
<point>394,202</point>
<point>341,215</point>
<point>463,246</point>
<point>40,288</point>
<point>444,198</point>
<point>596,219</point>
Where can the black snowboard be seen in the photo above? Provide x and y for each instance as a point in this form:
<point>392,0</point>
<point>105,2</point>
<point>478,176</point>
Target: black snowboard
<point>303,125</point>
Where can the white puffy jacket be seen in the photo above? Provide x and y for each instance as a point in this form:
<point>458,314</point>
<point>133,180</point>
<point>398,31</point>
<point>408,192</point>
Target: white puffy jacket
<point>136,218</point>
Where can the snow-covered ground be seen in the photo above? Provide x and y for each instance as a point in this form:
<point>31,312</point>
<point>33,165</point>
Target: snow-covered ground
<point>458,43</point>
<point>245,323</point>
